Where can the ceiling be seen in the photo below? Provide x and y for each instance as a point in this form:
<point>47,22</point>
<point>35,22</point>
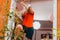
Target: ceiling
<point>36,0</point>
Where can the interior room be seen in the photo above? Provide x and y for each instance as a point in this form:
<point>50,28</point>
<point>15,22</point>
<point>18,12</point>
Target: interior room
<point>42,23</point>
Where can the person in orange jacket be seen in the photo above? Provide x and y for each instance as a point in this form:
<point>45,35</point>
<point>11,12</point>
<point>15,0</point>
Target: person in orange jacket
<point>27,14</point>
<point>27,23</point>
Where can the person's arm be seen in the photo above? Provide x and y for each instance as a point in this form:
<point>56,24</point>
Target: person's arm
<point>24,5</point>
<point>28,8</point>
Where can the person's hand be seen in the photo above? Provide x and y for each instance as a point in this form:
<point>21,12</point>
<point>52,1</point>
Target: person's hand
<point>25,5</point>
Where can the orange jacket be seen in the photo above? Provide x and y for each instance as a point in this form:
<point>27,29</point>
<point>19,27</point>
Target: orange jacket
<point>28,20</point>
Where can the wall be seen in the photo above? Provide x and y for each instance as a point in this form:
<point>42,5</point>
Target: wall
<point>42,9</point>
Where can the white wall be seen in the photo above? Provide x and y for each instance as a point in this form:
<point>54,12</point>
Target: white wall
<point>42,9</point>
